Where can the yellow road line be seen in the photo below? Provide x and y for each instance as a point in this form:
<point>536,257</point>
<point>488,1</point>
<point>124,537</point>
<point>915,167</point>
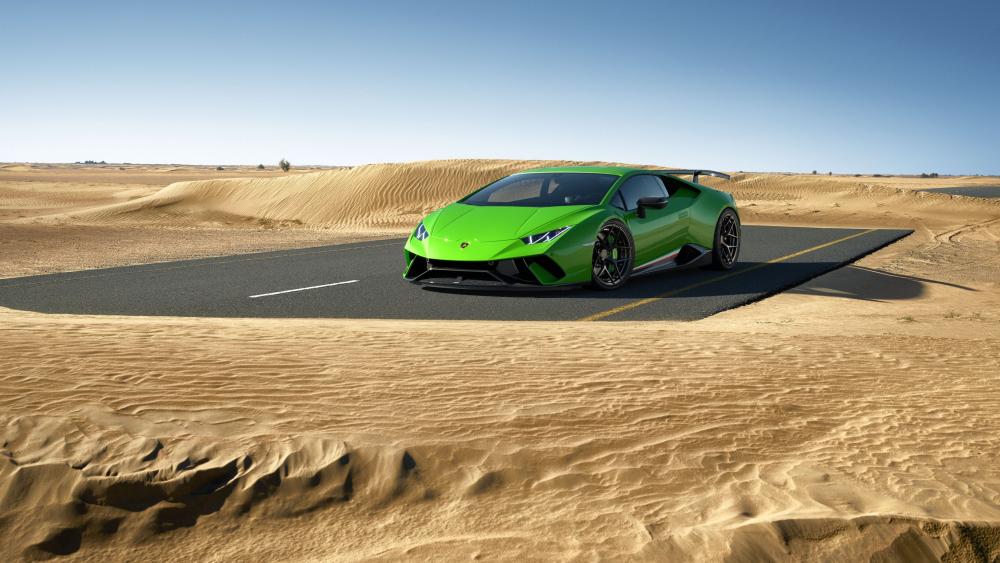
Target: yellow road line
<point>648,300</point>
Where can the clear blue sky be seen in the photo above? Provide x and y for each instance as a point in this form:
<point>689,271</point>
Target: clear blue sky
<point>850,87</point>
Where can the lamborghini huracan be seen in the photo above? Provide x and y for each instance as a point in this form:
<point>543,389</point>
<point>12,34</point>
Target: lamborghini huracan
<point>577,225</point>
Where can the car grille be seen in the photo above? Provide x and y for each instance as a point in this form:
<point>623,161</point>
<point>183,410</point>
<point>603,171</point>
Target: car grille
<point>506,272</point>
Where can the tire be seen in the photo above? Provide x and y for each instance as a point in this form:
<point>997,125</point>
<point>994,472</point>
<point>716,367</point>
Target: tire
<point>727,242</point>
<point>614,256</point>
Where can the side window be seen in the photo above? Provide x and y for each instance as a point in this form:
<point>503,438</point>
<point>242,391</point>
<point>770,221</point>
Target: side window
<point>641,186</point>
<point>618,201</point>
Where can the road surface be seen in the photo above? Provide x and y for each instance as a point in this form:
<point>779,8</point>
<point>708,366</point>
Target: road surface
<point>363,280</point>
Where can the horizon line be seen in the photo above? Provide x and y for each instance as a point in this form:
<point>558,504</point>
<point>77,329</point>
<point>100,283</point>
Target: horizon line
<point>817,172</point>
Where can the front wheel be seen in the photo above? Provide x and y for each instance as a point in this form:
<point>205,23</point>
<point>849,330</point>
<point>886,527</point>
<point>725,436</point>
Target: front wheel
<point>614,254</point>
<point>728,236</point>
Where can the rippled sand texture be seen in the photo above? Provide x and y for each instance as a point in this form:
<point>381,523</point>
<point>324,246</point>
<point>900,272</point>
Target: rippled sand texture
<point>302,438</point>
<point>40,233</point>
<point>61,217</point>
<point>393,197</point>
<point>852,418</point>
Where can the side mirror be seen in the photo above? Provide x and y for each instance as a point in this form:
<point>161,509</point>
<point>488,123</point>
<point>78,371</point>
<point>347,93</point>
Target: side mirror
<point>654,202</point>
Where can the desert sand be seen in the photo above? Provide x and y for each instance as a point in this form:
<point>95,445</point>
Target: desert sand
<point>855,417</point>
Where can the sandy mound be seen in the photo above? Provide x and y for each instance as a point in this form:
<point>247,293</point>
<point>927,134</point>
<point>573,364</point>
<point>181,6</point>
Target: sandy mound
<point>39,235</point>
<point>14,168</point>
<point>64,481</point>
<point>393,197</point>
<point>866,538</point>
<point>369,198</point>
<point>851,418</point>
<point>145,214</point>
<point>299,439</point>
<point>102,481</point>
<point>849,201</point>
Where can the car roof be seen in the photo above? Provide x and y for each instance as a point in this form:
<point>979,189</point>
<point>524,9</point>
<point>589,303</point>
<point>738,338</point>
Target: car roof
<point>613,170</point>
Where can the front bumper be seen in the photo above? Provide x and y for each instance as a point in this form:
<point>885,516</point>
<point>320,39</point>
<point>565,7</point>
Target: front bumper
<point>529,272</point>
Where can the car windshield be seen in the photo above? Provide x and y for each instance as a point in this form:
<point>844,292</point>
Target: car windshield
<point>545,189</point>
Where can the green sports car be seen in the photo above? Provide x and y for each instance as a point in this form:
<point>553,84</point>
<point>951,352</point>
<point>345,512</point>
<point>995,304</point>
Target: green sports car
<point>575,225</point>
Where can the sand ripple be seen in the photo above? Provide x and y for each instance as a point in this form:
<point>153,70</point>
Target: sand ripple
<point>417,437</point>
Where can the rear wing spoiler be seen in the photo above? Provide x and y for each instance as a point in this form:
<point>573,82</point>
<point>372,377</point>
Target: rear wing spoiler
<point>695,174</point>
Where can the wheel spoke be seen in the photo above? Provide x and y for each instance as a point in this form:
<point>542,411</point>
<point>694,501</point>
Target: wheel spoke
<point>612,254</point>
<point>729,238</point>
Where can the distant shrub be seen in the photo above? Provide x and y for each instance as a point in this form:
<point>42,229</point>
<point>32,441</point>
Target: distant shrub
<point>830,173</point>
<point>931,175</point>
<point>857,175</point>
<point>284,165</point>
<point>219,168</point>
<point>814,172</point>
<point>260,167</point>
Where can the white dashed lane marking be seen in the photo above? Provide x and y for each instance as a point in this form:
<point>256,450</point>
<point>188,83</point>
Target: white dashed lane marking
<point>301,289</point>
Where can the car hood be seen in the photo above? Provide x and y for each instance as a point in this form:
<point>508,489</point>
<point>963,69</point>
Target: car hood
<point>487,223</point>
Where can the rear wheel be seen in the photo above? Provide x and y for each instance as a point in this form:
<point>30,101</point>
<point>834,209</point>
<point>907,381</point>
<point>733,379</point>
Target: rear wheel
<point>728,237</point>
<point>614,253</point>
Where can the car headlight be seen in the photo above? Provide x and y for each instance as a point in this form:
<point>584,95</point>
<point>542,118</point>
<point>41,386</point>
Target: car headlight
<point>547,236</point>
<point>421,232</point>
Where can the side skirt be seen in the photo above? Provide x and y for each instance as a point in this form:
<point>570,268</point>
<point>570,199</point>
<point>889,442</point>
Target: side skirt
<point>687,256</point>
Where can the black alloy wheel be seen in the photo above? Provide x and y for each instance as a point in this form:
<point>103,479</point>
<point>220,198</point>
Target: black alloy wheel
<point>727,241</point>
<point>614,253</point>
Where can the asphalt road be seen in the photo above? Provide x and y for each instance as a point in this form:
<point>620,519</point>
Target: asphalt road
<point>971,191</point>
<point>363,280</point>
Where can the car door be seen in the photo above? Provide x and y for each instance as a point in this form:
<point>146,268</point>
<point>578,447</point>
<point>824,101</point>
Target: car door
<point>661,230</point>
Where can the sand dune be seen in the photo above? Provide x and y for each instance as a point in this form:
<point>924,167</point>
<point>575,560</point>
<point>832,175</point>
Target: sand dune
<point>273,430</point>
<point>368,198</point>
<point>309,208</point>
<point>393,197</point>
<point>39,235</point>
<point>851,418</point>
